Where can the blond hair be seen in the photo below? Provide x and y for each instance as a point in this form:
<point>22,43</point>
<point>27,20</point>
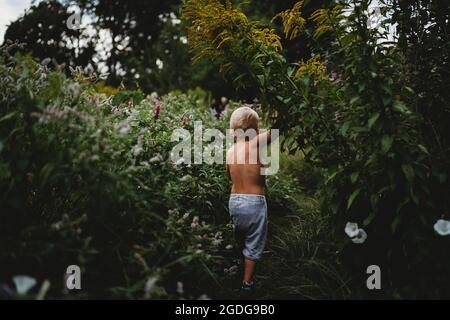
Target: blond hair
<point>244,118</point>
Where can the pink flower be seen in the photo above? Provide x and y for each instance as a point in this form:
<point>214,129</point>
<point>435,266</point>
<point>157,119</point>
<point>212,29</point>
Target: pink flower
<point>184,120</point>
<point>334,75</point>
<point>158,106</point>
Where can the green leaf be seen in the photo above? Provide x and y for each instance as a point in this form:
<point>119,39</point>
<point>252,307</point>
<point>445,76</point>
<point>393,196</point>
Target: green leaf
<point>25,72</point>
<point>410,90</point>
<point>239,77</point>
<point>373,119</point>
<point>408,171</point>
<point>352,197</point>
<point>331,177</point>
<point>369,219</point>
<point>345,127</point>
<point>423,149</point>
<point>400,107</point>
<point>354,100</point>
<point>305,80</point>
<point>8,116</point>
<point>386,143</point>
<point>354,176</point>
<point>386,100</point>
<point>290,71</point>
<point>395,224</point>
<point>261,79</point>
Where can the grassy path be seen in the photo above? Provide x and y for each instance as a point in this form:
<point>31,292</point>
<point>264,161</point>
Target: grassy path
<point>298,262</point>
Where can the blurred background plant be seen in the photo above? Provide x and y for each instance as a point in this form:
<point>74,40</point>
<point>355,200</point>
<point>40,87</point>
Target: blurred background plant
<point>86,179</point>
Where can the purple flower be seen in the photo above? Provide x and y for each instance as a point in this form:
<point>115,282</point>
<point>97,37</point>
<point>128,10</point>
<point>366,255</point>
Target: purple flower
<point>6,290</point>
<point>334,75</point>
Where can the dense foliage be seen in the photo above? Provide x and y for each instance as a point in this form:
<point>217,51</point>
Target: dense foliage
<point>86,176</point>
<point>358,109</point>
<point>86,179</point>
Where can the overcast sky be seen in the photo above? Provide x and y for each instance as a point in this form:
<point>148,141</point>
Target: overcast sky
<point>10,10</point>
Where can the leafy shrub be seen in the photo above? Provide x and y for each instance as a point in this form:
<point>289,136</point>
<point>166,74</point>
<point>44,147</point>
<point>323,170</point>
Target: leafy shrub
<point>86,179</point>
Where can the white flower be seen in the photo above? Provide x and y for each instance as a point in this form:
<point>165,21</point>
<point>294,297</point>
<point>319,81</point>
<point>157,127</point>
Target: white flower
<point>46,61</point>
<point>195,222</point>
<point>229,247</point>
<point>351,229</point>
<point>24,283</point>
<point>57,225</point>
<point>442,227</point>
<point>233,270</point>
<point>361,237</point>
<point>150,285</point>
<point>144,163</point>
<point>123,128</point>
<point>74,89</point>
<point>180,289</point>
<point>358,235</point>
<point>136,150</point>
<point>186,178</point>
<point>154,95</point>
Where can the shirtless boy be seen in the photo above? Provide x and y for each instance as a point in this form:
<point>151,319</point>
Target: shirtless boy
<point>247,204</point>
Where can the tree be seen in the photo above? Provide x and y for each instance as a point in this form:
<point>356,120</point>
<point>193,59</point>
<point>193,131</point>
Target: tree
<point>44,33</point>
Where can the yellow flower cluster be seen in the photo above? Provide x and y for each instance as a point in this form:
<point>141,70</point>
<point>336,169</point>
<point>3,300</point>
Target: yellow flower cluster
<point>292,19</point>
<point>325,19</point>
<point>215,27</point>
<point>312,67</point>
<point>102,88</point>
<point>294,23</point>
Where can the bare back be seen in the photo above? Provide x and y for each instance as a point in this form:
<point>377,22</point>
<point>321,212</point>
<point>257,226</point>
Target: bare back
<point>244,168</point>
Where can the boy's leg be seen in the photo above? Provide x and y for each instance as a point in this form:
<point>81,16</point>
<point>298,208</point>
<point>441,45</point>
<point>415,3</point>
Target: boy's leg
<point>249,269</point>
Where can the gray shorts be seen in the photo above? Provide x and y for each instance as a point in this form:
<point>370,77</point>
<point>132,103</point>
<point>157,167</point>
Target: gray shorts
<point>249,215</point>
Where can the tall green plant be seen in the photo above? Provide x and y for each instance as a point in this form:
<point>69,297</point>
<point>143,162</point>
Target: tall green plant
<point>351,112</point>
